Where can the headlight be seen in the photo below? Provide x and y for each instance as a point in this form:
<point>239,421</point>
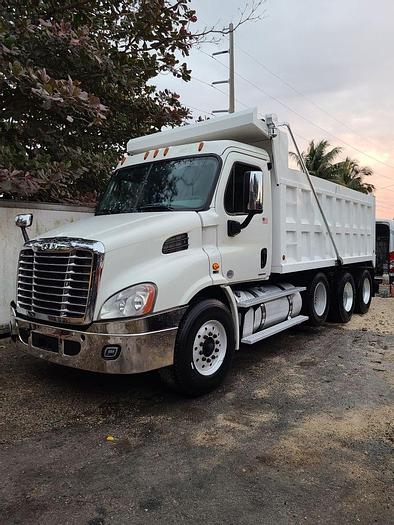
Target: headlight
<point>131,302</point>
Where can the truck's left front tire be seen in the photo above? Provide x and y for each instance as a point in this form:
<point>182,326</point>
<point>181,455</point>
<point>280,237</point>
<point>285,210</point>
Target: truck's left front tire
<point>204,349</point>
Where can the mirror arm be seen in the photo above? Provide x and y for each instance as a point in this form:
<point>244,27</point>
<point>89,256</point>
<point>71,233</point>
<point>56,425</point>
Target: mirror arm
<point>235,227</point>
<point>24,233</point>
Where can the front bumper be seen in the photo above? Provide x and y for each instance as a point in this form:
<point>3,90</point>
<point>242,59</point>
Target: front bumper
<point>144,344</point>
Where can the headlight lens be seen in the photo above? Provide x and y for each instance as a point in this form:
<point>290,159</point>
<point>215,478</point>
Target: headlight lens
<point>131,302</point>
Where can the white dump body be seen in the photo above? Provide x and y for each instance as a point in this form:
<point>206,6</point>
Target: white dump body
<point>300,238</point>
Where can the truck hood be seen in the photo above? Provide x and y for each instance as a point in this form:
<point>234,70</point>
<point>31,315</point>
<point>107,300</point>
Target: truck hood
<point>119,230</point>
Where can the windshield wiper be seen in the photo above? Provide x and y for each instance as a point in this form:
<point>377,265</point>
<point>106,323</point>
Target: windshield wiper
<point>156,207</point>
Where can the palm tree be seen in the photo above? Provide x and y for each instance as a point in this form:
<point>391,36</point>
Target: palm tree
<point>349,173</point>
<point>319,159</point>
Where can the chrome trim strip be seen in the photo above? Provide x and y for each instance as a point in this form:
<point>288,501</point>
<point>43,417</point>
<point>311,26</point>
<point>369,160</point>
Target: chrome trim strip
<point>64,329</point>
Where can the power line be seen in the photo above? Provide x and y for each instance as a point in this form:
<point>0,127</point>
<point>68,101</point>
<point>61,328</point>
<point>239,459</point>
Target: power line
<point>307,119</point>
<point>216,88</point>
<point>312,102</point>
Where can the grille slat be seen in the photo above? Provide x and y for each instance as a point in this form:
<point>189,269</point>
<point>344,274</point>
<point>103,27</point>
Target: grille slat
<point>55,283</point>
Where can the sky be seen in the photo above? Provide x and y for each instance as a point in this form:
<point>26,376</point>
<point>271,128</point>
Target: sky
<point>325,66</point>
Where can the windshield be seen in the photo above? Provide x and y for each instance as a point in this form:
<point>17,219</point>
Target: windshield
<point>178,184</point>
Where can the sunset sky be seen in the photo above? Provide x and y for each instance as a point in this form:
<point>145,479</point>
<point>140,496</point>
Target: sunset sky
<point>327,67</point>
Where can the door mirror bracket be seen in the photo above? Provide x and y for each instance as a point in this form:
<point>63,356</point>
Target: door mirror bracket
<point>235,227</point>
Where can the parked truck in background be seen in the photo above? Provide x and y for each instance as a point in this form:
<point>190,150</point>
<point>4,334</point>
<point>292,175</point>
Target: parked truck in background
<point>204,240</point>
<point>384,251</point>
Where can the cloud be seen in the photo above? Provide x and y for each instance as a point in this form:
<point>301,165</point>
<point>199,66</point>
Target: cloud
<point>339,54</point>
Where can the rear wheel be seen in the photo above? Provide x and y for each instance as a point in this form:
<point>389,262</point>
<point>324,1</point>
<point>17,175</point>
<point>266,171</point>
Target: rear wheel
<point>204,349</point>
<point>363,292</point>
<point>316,300</point>
<point>343,298</point>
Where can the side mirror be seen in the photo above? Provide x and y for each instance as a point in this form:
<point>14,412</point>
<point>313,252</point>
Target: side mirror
<point>23,221</point>
<point>255,187</point>
<point>254,190</point>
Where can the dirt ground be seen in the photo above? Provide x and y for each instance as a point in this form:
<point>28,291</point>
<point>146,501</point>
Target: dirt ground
<point>302,432</point>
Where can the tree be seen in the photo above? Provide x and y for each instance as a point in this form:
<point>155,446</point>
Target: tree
<point>349,173</point>
<point>74,87</point>
<point>319,159</point>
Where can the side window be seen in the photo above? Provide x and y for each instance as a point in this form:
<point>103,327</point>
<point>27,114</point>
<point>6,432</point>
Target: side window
<point>236,194</point>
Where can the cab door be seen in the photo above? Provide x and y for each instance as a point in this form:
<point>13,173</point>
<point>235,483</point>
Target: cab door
<point>247,255</point>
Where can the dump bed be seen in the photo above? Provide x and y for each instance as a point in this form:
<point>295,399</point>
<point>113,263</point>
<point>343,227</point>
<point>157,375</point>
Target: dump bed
<point>300,237</point>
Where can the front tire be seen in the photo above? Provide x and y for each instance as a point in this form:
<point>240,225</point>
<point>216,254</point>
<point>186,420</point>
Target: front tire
<point>204,349</point>
<point>343,299</point>
<point>364,287</point>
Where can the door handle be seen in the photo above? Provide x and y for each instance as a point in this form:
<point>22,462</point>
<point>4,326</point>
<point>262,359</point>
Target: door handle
<point>263,257</point>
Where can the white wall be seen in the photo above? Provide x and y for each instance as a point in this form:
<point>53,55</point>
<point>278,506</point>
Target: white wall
<point>46,217</point>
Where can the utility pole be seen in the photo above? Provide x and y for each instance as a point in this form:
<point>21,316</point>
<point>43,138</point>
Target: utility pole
<point>231,79</point>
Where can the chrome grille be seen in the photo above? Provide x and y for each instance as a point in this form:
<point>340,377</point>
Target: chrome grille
<point>57,284</point>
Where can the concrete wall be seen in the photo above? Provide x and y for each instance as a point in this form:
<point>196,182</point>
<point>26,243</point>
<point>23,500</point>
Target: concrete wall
<point>46,217</point>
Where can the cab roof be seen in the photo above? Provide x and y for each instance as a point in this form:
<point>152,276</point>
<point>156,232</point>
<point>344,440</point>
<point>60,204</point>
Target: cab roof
<point>243,127</point>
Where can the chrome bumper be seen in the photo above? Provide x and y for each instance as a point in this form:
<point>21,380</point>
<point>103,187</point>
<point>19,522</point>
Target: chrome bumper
<point>144,344</point>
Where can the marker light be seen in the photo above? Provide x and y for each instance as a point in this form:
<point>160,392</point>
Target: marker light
<point>146,155</point>
<point>155,153</point>
<point>200,146</point>
<point>166,151</point>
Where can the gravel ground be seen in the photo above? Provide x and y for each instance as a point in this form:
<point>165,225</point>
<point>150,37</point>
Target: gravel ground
<point>300,433</point>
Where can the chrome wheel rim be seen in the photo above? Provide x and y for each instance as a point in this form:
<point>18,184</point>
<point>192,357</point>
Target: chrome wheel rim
<point>366,290</point>
<point>320,299</point>
<point>348,296</point>
<point>209,348</point>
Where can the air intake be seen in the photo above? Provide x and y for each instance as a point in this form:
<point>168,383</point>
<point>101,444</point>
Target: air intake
<point>177,243</point>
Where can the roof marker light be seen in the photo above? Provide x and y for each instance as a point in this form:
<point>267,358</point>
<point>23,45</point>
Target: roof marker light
<point>155,153</point>
<point>200,146</point>
<point>166,151</point>
<point>146,155</point>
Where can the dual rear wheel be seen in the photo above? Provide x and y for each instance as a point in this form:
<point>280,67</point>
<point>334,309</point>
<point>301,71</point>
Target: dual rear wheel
<point>337,300</point>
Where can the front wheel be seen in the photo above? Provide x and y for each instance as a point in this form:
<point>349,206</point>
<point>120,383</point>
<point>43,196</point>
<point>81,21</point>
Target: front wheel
<point>204,349</point>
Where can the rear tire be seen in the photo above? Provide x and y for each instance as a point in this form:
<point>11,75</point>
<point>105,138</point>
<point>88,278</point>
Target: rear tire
<point>364,287</point>
<point>204,349</point>
<point>343,298</point>
<point>316,300</point>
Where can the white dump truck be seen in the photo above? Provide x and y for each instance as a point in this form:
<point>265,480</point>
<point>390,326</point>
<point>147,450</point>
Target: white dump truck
<point>203,240</point>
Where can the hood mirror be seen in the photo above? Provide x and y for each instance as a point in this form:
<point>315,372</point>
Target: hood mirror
<point>23,221</point>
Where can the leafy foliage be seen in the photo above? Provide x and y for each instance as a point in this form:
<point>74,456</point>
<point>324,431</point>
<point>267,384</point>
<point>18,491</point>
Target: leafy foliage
<point>320,158</point>
<point>74,87</point>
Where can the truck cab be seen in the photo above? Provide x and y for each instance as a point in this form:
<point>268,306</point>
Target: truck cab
<point>203,240</point>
